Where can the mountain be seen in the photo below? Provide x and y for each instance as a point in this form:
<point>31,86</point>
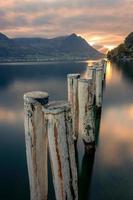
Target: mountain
<point>129,41</point>
<point>3,37</point>
<point>59,48</point>
<point>124,52</point>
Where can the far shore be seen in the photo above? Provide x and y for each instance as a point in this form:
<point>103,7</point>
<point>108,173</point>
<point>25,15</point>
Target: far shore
<point>48,62</point>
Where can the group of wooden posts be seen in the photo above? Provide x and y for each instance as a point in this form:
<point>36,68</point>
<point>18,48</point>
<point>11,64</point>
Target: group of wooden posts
<point>55,127</point>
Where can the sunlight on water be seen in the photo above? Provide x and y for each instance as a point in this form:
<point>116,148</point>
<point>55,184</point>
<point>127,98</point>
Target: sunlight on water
<point>108,72</point>
<point>92,62</point>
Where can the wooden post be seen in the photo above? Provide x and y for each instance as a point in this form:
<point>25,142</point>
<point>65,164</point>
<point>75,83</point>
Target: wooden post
<point>62,152</point>
<point>92,75</point>
<point>36,144</point>
<point>89,72</point>
<point>86,111</point>
<point>105,66</point>
<point>73,100</point>
<point>99,75</point>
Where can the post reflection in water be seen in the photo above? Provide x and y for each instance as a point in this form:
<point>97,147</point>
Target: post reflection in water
<point>87,163</point>
<point>97,125</point>
<point>86,174</point>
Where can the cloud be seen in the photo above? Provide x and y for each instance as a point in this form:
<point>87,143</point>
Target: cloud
<point>110,20</point>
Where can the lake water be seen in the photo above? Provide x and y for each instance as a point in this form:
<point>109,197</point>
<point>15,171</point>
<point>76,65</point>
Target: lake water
<point>107,175</point>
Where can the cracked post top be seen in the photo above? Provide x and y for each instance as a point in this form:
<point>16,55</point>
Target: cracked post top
<point>56,107</point>
<point>36,97</point>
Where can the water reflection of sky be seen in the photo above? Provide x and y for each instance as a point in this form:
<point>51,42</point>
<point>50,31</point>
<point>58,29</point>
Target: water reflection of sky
<point>112,175</point>
<point>112,170</point>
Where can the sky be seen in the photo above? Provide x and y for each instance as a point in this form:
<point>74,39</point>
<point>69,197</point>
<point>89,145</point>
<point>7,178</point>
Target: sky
<point>103,23</point>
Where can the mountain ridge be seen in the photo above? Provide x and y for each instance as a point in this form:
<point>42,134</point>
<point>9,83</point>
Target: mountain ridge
<point>37,48</point>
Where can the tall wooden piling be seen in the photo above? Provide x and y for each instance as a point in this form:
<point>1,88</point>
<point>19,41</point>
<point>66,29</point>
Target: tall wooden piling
<point>99,76</point>
<point>92,75</point>
<point>89,72</point>
<point>62,152</point>
<point>72,80</point>
<point>86,111</point>
<point>105,66</point>
<point>36,144</point>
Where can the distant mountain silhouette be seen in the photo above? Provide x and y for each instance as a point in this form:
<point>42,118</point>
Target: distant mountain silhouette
<point>66,47</point>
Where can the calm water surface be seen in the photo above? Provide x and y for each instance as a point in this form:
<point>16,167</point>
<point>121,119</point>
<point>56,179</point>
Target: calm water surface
<point>107,175</point>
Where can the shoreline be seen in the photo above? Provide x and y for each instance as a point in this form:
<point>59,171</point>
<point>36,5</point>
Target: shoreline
<point>123,60</point>
<point>47,62</point>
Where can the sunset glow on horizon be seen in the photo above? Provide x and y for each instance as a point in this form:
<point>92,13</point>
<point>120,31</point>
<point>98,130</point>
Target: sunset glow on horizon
<point>104,24</point>
<point>109,47</point>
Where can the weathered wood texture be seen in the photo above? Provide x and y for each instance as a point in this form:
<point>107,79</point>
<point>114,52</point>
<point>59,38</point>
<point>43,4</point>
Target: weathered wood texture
<point>90,72</point>
<point>99,76</point>
<point>72,80</point>
<point>103,64</point>
<point>86,110</point>
<point>62,152</point>
<point>36,144</point>
<point>92,75</point>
